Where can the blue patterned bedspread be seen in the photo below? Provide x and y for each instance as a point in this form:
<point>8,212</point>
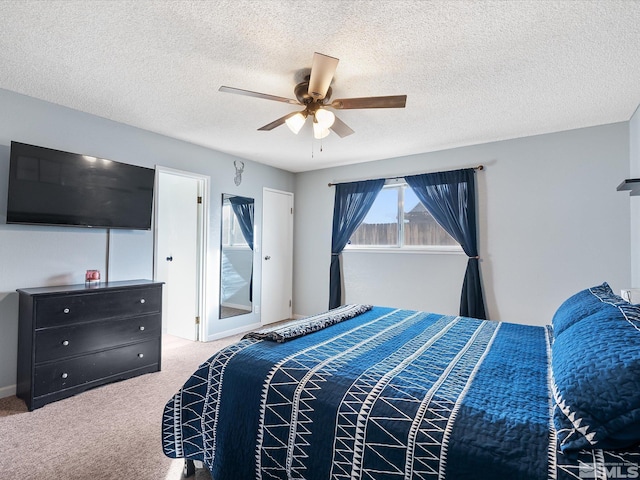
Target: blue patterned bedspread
<point>389,394</point>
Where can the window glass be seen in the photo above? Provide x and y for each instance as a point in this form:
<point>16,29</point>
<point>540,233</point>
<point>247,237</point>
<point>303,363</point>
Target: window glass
<point>398,219</point>
<point>380,226</point>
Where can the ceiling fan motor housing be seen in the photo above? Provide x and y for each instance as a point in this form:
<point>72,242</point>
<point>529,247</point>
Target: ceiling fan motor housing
<point>301,91</point>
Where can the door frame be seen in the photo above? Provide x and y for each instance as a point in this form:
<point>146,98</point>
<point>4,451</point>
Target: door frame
<point>203,240</point>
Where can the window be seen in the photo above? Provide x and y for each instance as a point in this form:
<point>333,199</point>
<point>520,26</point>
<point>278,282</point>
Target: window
<point>398,219</point>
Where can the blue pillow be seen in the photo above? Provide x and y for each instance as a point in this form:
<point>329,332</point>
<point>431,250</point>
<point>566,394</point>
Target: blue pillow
<point>581,305</point>
<point>596,380</point>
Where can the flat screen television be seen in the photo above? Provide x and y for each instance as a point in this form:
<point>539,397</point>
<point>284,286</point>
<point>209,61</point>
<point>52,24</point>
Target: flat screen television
<point>51,187</point>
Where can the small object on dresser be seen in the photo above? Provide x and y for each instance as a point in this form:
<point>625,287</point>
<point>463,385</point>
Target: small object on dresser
<point>92,277</point>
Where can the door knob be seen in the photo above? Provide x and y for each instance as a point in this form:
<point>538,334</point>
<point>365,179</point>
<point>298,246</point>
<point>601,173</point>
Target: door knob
<point>170,259</point>
<point>267,257</point>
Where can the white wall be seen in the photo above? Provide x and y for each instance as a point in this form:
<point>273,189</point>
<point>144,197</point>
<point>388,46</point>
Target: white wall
<point>32,256</point>
<point>634,162</point>
<point>392,289</point>
<point>550,223</point>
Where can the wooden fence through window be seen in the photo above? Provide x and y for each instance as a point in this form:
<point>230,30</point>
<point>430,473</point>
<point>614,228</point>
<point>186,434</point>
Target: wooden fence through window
<point>415,234</point>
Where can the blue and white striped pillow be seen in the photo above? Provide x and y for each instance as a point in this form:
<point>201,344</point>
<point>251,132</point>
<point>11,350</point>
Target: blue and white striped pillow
<point>581,305</point>
<point>596,374</point>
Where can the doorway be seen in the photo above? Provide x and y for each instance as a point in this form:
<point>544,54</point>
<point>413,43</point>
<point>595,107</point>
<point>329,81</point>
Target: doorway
<point>277,255</point>
<point>179,251</point>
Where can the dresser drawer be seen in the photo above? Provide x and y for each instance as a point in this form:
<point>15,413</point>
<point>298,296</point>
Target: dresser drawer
<point>69,309</point>
<point>61,342</point>
<point>53,377</point>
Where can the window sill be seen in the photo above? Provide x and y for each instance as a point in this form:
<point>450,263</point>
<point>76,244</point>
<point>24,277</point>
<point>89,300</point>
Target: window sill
<point>420,251</point>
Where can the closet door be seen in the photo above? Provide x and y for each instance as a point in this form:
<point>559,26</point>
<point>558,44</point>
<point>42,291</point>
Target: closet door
<point>277,255</point>
<point>179,250</point>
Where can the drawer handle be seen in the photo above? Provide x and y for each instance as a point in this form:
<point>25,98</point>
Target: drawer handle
<point>140,355</point>
<point>142,328</point>
<point>64,375</point>
<point>142,300</point>
<point>66,310</point>
<point>65,343</point>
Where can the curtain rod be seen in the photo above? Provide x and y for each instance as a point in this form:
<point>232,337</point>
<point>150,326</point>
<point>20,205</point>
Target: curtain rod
<point>479,167</point>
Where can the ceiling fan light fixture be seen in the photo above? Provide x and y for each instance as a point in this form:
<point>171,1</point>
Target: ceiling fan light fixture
<point>296,122</point>
<point>324,118</point>
<point>318,131</point>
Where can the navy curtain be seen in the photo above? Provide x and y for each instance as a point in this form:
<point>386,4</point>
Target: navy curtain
<point>243,208</point>
<point>450,197</point>
<point>352,202</point>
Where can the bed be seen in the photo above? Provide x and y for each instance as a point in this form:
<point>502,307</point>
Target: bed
<point>371,392</point>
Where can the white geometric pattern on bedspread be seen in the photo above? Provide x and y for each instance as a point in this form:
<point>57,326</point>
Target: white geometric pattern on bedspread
<point>435,407</point>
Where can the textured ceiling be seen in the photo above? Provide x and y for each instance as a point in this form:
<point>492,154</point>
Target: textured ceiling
<point>473,71</point>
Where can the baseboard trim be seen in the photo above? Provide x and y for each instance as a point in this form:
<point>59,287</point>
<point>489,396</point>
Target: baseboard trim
<point>228,333</point>
<point>7,391</point>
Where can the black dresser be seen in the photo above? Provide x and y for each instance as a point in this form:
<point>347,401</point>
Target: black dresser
<point>76,337</point>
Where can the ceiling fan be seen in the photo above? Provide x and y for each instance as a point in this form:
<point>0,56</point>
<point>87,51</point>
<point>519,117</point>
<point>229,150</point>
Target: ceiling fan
<point>314,94</point>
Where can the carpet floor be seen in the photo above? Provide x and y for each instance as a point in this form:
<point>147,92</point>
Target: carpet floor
<point>110,432</point>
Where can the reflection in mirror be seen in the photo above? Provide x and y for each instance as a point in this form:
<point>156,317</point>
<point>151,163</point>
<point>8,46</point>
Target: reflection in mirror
<point>236,256</point>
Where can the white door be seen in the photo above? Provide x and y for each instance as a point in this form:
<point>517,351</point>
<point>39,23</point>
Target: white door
<point>277,255</point>
<point>179,241</point>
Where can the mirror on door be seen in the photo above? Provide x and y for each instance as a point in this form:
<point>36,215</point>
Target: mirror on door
<point>236,256</point>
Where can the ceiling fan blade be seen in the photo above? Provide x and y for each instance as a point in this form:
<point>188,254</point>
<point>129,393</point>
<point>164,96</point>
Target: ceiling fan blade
<point>341,128</point>
<point>277,123</point>
<point>393,101</point>
<point>249,93</point>
<point>322,70</point>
